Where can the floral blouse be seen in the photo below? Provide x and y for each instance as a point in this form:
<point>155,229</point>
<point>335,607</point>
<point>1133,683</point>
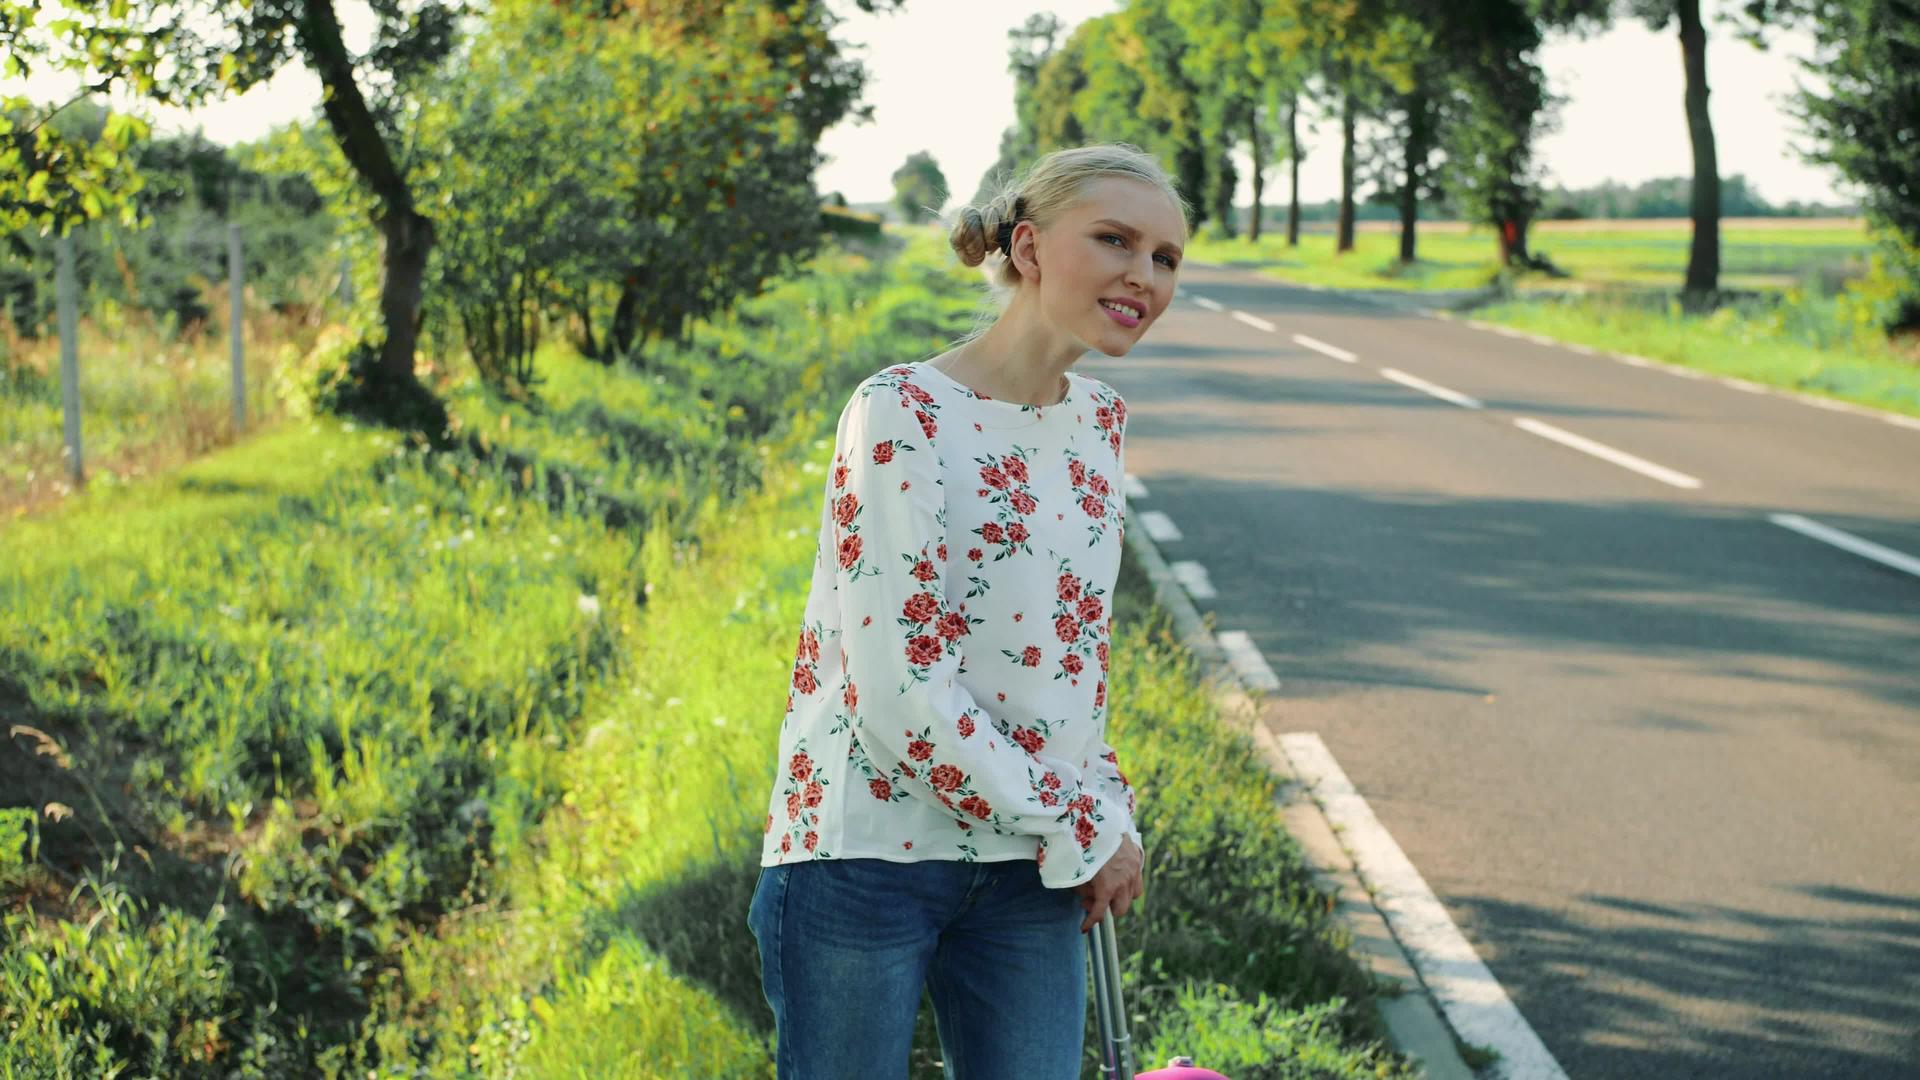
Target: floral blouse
<point>949,690</point>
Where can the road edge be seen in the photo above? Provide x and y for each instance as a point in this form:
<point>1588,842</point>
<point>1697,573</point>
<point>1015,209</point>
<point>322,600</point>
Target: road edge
<point>1415,1024</point>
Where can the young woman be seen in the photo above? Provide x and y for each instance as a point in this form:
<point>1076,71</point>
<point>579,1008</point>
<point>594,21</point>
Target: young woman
<point>946,811</point>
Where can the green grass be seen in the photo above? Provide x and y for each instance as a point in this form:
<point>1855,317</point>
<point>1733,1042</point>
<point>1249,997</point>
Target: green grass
<point>370,761</point>
<point>1752,257</point>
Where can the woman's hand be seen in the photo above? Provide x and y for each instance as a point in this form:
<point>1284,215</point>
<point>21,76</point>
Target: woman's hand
<point>1116,885</point>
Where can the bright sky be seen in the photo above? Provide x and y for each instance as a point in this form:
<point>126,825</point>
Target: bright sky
<point>1622,119</point>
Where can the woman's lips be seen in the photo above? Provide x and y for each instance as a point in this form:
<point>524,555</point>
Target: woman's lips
<point>1121,317</point>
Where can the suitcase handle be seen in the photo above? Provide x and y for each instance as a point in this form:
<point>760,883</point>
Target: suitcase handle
<point>1110,1010</point>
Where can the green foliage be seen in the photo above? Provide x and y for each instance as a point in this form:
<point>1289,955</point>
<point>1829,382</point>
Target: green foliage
<point>1260,1040</point>
<point>919,188</point>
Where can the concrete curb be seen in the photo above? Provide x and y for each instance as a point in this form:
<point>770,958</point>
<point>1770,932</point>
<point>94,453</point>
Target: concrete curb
<point>1414,1023</point>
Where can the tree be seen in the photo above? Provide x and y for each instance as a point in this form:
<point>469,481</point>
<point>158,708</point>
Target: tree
<point>1868,55</point>
<point>1703,253</point>
<point>919,188</point>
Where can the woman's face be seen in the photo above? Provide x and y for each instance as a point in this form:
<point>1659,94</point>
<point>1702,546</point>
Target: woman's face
<point>1118,248</point>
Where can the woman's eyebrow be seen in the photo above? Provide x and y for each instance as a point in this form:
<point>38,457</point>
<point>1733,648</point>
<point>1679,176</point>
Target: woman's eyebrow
<point>1132,232</point>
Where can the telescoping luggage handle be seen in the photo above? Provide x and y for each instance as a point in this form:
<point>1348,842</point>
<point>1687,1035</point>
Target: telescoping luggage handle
<point>1110,1013</point>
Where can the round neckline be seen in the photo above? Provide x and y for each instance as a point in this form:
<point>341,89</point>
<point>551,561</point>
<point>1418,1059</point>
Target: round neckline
<point>1073,390</point>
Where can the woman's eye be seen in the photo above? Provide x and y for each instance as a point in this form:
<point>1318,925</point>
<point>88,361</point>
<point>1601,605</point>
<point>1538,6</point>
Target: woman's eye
<point>1114,236</point>
<point>1169,261</point>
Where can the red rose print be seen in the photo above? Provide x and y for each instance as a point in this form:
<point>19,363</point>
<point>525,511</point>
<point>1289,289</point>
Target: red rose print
<point>916,393</point>
<point>965,725</point>
<point>786,844</point>
<point>1051,781</point>
<point>1100,695</point>
<point>1114,441</point>
<point>769,827</point>
<point>811,644</point>
<point>945,777</point>
<point>1083,803</point>
<point>1048,798</point>
<point>975,554</point>
<point>1030,656</point>
<point>1093,506</point>
<point>849,552</point>
<point>923,570</point>
<point>1078,472</point>
<point>921,607</point>
<point>1082,832</point>
<point>812,840</point>
<point>993,477</point>
<point>1090,609</point>
<point>1029,740</point>
<point>919,750</point>
<point>851,697</point>
<point>992,533</point>
<point>1120,410</point>
<point>1069,588</point>
<point>953,625</point>
<point>845,508</point>
<point>1104,416</point>
<point>977,806</point>
<point>1072,663</point>
<point>1066,629</point>
<point>1100,486</point>
<point>800,767</point>
<point>881,789</point>
<point>793,805</point>
<point>803,679</point>
<point>923,650</point>
<point>1101,649</point>
<point>815,793</point>
<point>1014,467</point>
<point>1017,533</point>
<point>942,552</point>
<point>908,769</point>
<point>882,453</point>
<point>1023,502</point>
<point>927,425</point>
<point>840,476</point>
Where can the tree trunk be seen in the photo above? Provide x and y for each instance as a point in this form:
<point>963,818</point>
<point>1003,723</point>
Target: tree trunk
<point>1703,259</point>
<point>1345,241</point>
<point>1293,156</point>
<point>408,233</point>
<point>1419,140</point>
<point>1258,151</point>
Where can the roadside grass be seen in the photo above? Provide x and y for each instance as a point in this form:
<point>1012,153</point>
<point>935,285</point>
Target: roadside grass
<point>150,397</point>
<point>1805,306</point>
<point>329,755</point>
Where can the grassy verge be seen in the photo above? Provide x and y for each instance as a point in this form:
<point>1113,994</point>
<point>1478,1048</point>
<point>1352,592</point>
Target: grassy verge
<point>339,758</point>
<point>1810,324</point>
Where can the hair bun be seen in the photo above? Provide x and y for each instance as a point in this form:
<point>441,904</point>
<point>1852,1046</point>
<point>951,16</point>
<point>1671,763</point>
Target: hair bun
<point>969,237</point>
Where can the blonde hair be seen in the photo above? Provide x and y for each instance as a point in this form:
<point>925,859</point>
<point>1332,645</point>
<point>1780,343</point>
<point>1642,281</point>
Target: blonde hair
<point>1054,184</point>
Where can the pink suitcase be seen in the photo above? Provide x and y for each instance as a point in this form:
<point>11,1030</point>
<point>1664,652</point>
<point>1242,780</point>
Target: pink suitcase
<point>1110,1013</point>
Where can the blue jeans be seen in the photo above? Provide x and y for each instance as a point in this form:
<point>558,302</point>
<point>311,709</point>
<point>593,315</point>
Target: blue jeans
<point>847,944</point>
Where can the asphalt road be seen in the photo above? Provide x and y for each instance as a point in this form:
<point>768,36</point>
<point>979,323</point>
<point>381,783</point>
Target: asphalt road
<point>1657,755</point>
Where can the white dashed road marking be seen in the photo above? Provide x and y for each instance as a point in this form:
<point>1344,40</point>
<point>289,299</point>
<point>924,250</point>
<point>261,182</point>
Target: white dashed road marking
<point>1254,321</point>
<point>1322,347</point>
<point>1846,541</point>
<point>1210,305</point>
<point>1134,488</point>
<point>1608,453</point>
<point>1160,527</point>
<point>1246,660</point>
<point>1435,389</point>
<point>1193,578</point>
<point>1475,1003</point>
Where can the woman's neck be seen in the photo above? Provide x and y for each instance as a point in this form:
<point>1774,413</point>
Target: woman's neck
<point>1018,359</point>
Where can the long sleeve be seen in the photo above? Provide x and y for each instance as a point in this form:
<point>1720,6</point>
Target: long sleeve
<point>1105,777</point>
<point>902,644</point>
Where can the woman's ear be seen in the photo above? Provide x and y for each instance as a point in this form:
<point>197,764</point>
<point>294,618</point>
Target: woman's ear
<point>1026,250</point>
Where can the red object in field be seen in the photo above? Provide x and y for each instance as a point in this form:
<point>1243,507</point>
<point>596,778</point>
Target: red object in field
<point>1180,1068</point>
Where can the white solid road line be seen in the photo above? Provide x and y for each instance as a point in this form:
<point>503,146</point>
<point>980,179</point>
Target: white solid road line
<point>1133,487</point>
<point>1160,528</point>
<point>1254,321</point>
<point>1435,389</point>
<point>1475,1003</point>
<point>1846,541</point>
<point>1246,660</point>
<point>1322,347</point>
<point>1193,578</point>
<point>1608,453</point>
<point>1210,305</point>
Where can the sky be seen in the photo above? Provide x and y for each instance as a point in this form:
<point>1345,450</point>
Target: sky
<point>1622,119</point>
